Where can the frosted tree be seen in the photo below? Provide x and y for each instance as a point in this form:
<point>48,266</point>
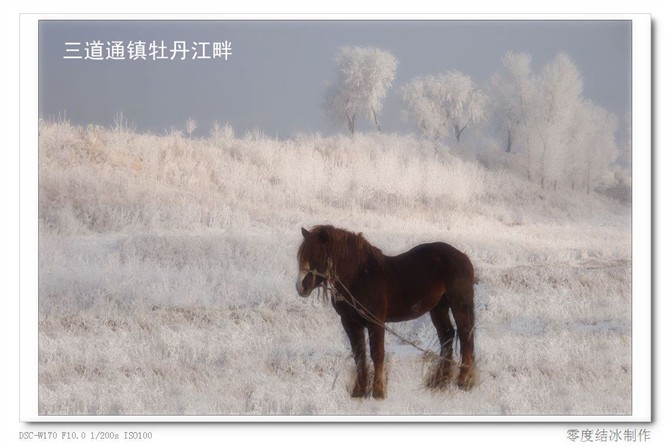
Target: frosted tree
<point>626,153</point>
<point>511,94</point>
<point>424,98</point>
<point>191,125</point>
<point>556,100</point>
<point>465,103</point>
<point>445,104</point>
<point>566,139</point>
<point>222,135</point>
<point>364,76</point>
<point>597,148</point>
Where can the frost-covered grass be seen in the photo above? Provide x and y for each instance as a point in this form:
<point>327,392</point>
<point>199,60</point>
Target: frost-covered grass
<point>167,269</point>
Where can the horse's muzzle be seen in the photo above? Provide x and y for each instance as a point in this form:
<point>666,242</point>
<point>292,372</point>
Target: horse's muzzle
<point>300,284</point>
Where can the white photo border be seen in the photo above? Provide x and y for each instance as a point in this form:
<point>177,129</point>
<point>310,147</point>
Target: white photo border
<point>641,218</point>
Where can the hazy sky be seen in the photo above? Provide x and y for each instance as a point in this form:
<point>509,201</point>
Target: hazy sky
<point>277,74</point>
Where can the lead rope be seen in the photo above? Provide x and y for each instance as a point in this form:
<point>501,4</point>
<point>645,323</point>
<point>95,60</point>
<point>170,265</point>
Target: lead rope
<point>330,286</point>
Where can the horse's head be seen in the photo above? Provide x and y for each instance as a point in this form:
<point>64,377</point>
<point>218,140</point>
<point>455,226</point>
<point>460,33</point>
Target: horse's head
<point>313,259</point>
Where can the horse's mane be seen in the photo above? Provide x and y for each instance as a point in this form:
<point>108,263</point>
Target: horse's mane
<point>350,251</point>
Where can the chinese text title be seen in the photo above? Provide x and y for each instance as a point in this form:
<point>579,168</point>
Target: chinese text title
<point>119,50</point>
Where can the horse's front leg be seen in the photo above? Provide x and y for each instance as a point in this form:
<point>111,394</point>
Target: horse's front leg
<point>356,334</point>
<point>377,353</point>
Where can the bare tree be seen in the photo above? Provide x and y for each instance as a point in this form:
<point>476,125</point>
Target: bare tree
<point>364,76</point>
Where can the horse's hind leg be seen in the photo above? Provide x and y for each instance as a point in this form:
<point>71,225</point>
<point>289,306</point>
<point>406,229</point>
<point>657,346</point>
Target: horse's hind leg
<point>445,333</point>
<point>377,353</point>
<point>462,306</point>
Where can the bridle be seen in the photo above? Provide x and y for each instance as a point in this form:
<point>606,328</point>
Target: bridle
<point>330,280</point>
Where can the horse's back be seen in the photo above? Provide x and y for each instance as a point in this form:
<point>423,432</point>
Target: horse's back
<point>417,279</point>
<point>439,258</point>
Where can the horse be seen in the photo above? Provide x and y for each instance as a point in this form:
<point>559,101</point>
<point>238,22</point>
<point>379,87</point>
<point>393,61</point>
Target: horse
<point>433,277</point>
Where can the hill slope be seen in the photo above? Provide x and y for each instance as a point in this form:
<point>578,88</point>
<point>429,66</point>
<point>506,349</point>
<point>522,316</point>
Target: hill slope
<point>167,270</point>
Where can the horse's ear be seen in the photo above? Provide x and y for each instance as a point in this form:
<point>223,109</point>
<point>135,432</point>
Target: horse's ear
<point>305,232</point>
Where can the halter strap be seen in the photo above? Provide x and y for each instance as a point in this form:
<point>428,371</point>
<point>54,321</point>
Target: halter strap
<point>329,275</point>
<point>331,279</point>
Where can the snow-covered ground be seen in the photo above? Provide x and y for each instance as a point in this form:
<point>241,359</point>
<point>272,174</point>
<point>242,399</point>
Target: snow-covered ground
<point>167,269</point>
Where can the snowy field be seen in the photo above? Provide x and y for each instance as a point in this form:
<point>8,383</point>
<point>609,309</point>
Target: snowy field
<point>167,268</point>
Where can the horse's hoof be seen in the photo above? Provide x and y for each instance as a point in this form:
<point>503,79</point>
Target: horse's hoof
<point>466,386</point>
<point>437,384</point>
<point>439,379</point>
<point>466,382</point>
<point>358,392</point>
<point>379,395</point>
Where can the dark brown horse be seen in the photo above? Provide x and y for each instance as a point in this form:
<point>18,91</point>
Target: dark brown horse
<point>431,278</point>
